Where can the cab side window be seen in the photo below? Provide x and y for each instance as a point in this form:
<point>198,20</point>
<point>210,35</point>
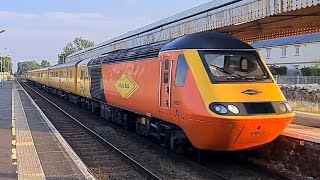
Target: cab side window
<point>182,71</point>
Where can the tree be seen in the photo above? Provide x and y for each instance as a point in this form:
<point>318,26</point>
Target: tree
<point>275,70</point>
<point>45,63</point>
<point>23,67</point>
<point>77,44</point>
<point>6,64</point>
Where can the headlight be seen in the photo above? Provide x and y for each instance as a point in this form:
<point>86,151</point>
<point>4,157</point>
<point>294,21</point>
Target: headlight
<point>220,109</point>
<point>232,108</point>
<point>289,108</point>
<point>282,107</point>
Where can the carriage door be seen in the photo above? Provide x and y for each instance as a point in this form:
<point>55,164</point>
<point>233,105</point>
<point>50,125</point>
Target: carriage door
<point>165,82</point>
<point>82,81</point>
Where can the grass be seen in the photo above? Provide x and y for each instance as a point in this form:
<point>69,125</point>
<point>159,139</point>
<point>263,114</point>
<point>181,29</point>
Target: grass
<point>305,106</point>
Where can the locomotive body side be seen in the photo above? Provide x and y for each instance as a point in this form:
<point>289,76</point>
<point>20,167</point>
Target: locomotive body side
<point>133,86</point>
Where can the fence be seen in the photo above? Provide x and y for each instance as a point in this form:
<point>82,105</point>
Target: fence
<point>297,79</point>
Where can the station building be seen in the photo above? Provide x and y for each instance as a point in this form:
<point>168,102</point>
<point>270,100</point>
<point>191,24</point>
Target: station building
<point>294,52</point>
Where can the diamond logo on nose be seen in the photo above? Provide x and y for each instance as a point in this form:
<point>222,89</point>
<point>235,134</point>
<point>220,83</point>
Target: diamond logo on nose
<point>251,92</point>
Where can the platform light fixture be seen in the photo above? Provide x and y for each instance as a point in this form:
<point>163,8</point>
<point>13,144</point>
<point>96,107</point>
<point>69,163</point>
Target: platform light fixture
<point>2,68</point>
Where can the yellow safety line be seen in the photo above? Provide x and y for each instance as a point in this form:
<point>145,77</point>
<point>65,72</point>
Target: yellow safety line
<point>13,141</point>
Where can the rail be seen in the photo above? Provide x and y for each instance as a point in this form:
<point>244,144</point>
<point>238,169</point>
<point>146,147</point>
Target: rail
<point>150,174</point>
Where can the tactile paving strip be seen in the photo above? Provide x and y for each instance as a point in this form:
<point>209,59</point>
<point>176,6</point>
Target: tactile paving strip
<point>28,163</point>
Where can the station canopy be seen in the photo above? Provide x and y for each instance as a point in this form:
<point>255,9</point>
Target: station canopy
<point>248,20</point>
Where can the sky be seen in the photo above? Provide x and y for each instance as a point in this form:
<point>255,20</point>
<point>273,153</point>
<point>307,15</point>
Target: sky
<point>39,29</point>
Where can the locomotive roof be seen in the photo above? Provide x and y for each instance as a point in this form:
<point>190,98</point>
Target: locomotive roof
<point>84,62</point>
<point>65,65</point>
<point>207,40</point>
<point>41,69</point>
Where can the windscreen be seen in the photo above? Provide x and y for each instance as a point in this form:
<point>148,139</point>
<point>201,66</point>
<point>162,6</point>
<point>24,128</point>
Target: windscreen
<point>234,66</point>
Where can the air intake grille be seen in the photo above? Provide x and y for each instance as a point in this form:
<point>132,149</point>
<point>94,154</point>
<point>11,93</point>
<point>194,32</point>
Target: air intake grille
<point>139,53</point>
<point>97,91</point>
<point>259,108</point>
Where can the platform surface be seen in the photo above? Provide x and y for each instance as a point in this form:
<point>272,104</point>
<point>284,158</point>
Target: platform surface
<point>32,143</point>
<point>307,119</point>
<point>7,169</point>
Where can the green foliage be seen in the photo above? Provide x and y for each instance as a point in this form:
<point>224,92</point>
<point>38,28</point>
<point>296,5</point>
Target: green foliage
<point>275,70</point>
<point>23,67</point>
<point>317,63</point>
<point>5,64</point>
<point>45,63</point>
<point>77,44</point>
<point>310,71</point>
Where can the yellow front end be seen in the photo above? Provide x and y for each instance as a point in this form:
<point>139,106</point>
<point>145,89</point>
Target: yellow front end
<point>261,112</point>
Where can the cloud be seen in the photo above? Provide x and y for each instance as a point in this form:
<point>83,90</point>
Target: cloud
<point>43,36</point>
<point>8,14</point>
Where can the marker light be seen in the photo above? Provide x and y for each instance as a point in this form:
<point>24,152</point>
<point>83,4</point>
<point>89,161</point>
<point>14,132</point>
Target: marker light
<point>289,108</point>
<point>232,108</point>
<point>220,109</point>
<point>282,107</point>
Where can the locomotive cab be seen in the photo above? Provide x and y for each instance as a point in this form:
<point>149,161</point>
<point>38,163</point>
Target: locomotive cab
<point>228,100</point>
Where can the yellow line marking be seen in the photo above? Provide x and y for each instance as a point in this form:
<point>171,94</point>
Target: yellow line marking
<point>14,153</point>
<point>24,143</point>
<point>13,142</point>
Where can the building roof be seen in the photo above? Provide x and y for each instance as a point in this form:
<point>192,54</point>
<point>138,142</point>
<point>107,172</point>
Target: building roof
<point>301,39</point>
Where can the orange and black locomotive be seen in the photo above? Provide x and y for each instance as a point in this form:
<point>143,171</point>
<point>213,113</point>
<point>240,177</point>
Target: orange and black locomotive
<point>208,89</point>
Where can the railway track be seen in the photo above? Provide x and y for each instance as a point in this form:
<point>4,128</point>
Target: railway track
<point>103,159</point>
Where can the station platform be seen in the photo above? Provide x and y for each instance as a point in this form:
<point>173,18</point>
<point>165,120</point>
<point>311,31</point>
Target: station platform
<point>30,146</point>
<point>306,126</point>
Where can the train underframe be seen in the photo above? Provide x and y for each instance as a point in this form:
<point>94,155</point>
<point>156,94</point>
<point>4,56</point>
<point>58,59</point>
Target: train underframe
<point>159,131</point>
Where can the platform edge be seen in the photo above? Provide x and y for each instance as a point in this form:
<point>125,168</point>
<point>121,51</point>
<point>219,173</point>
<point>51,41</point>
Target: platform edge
<point>76,159</point>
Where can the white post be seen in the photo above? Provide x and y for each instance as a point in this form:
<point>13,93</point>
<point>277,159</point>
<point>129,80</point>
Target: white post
<point>2,75</point>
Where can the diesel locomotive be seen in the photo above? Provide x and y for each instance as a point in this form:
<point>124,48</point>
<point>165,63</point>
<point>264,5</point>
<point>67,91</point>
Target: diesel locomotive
<point>207,89</point>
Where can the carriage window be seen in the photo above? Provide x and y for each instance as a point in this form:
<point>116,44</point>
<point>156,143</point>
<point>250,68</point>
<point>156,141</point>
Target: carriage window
<point>81,74</point>
<point>182,71</point>
<point>166,64</point>
<point>86,76</point>
<point>70,74</point>
<point>165,78</point>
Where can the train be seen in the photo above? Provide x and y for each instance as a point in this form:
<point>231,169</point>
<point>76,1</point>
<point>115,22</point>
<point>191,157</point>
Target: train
<point>208,89</point>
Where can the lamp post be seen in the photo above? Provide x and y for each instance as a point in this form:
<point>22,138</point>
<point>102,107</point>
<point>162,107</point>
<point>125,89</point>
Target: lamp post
<point>2,31</point>
<point>2,68</point>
